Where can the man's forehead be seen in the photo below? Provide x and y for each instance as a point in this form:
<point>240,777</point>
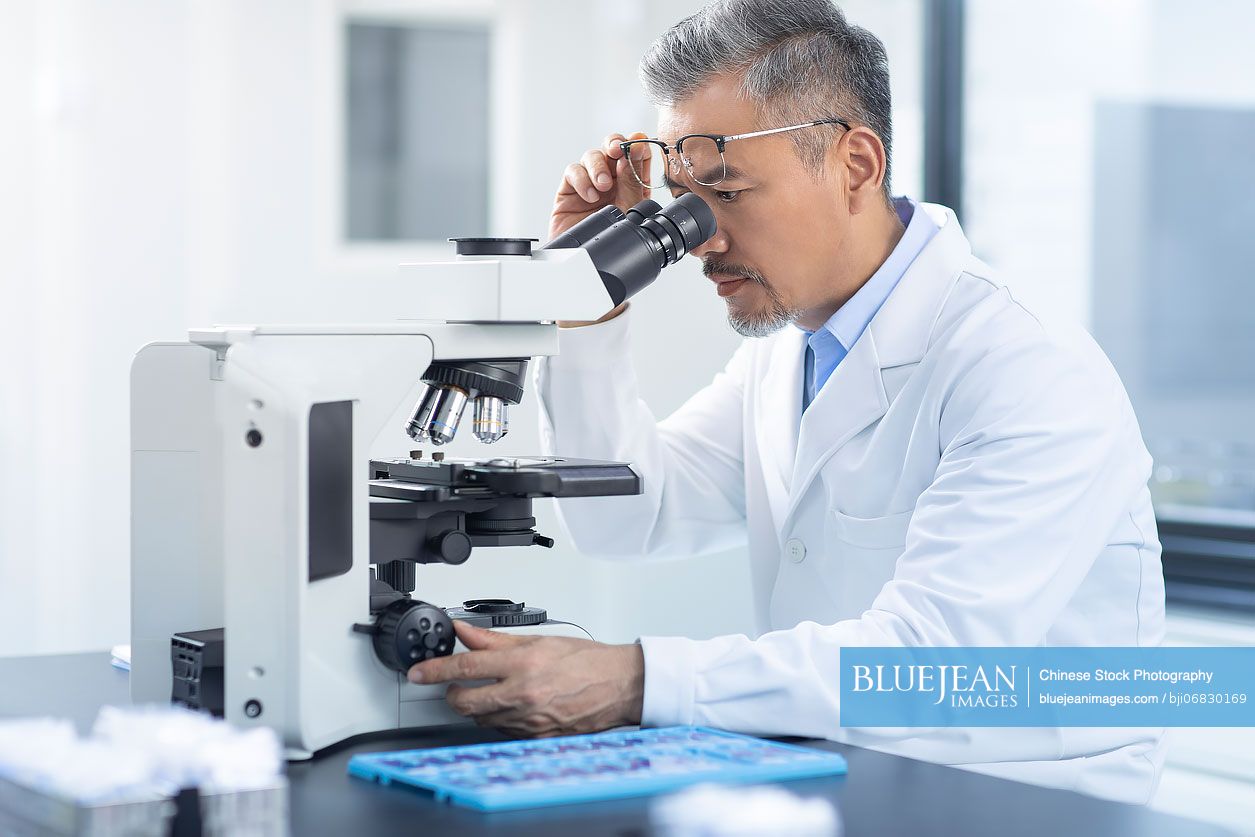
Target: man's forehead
<point>716,107</point>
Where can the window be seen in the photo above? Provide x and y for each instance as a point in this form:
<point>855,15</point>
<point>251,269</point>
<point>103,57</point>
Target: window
<point>1109,175</point>
<point>417,110</point>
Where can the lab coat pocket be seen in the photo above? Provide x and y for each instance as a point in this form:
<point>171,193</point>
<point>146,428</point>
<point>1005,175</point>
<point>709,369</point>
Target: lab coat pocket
<point>862,555</point>
<point>886,532</point>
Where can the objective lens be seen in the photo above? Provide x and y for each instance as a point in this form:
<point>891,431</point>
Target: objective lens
<point>446,415</point>
<point>491,419</point>
<point>416,427</point>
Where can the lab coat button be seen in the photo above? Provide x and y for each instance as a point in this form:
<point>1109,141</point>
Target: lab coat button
<point>795,549</point>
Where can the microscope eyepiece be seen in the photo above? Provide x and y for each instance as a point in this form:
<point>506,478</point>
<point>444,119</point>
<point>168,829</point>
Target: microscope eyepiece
<point>590,227</point>
<point>629,252</point>
<point>643,210</point>
<point>687,220</point>
<point>599,222</point>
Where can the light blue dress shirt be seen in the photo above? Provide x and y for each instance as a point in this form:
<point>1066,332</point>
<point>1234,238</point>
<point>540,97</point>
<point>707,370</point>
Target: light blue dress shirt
<point>826,348</point>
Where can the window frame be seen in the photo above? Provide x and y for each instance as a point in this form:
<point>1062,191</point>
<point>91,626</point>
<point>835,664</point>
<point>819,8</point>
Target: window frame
<point>338,253</point>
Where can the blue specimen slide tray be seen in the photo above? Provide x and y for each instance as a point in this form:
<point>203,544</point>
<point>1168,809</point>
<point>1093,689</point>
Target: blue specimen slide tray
<point>585,768</point>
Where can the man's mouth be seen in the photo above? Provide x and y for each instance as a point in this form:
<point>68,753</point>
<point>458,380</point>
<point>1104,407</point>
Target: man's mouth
<point>730,285</point>
<point>729,278</point>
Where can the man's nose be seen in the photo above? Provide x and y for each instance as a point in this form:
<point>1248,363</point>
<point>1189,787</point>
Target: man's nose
<point>717,243</point>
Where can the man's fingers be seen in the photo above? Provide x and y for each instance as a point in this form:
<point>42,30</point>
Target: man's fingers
<point>596,181</point>
<point>471,665</point>
<point>598,169</point>
<point>610,146</point>
<point>577,177</point>
<point>485,659</point>
<point>481,638</point>
<point>612,149</point>
<point>641,150</point>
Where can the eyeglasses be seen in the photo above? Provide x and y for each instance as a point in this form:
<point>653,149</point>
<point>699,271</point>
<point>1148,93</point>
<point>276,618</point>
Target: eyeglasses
<point>700,154</point>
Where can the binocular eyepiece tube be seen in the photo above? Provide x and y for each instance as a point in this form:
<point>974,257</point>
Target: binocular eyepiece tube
<point>629,249</point>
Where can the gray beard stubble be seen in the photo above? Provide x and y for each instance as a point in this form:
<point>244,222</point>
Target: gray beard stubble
<point>758,324</point>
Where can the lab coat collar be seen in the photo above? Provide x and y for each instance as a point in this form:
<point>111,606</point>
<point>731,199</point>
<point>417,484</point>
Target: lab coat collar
<point>779,412</point>
<point>855,396</point>
<point>904,324</point>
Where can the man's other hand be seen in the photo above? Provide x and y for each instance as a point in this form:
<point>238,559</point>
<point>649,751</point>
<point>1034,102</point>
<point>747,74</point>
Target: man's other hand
<point>545,685</point>
<point>603,176</point>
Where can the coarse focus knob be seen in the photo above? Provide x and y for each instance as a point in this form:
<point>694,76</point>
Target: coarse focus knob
<point>453,547</point>
<point>409,631</point>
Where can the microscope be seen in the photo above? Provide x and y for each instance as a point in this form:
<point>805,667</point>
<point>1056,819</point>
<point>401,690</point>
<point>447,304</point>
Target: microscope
<point>273,561</point>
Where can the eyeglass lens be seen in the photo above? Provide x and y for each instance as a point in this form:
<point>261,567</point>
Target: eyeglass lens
<point>700,157</point>
<point>649,164</point>
<point>703,160</point>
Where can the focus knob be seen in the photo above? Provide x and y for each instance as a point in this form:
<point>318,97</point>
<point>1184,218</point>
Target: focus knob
<point>453,547</point>
<point>410,631</point>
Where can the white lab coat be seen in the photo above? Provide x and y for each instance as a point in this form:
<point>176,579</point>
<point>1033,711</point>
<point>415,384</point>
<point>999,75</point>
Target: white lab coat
<point>968,476</point>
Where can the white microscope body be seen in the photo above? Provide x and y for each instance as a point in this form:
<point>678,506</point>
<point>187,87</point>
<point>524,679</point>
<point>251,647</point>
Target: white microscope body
<point>252,483</point>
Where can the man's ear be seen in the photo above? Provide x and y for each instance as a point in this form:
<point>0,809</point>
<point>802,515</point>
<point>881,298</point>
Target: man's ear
<point>862,154</point>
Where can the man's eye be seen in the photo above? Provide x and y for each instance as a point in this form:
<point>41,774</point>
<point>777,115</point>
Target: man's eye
<point>725,197</point>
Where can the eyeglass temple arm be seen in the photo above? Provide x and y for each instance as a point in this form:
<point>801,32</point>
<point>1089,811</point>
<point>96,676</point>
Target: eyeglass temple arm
<point>832,121</point>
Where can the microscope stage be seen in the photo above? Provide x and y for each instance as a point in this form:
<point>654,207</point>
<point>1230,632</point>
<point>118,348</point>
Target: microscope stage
<point>422,480</point>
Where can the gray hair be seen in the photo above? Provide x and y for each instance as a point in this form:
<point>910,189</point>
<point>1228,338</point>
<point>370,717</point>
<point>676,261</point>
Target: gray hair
<point>798,59</point>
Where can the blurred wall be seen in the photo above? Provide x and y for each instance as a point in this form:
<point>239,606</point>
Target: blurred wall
<point>173,163</point>
<point>169,164</point>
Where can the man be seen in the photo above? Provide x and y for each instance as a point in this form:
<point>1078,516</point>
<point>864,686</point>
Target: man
<point>914,458</point>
